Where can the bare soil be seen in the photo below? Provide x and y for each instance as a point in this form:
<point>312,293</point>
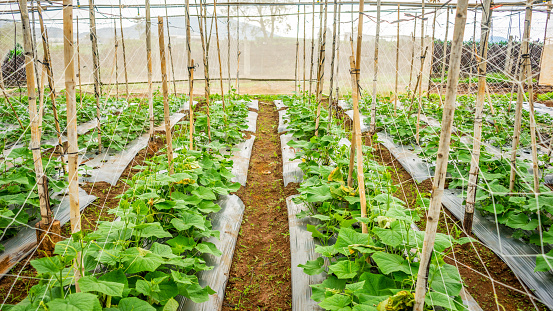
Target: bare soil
<point>260,274</point>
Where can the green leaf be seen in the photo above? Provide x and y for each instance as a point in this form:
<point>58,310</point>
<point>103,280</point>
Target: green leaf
<point>544,262</point>
<point>208,248</point>
<point>327,251</point>
<point>390,237</point>
<point>377,284</point>
<point>138,260</point>
<point>314,232</point>
<point>198,294</point>
<point>187,220</point>
<point>91,284</point>
<point>50,265</point>
<point>336,302</point>
<point>76,302</point>
<point>388,263</point>
<point>134,304</point>
<point>331,283</point>
<point>171,305</point>
<point>521,221</point>
<point>312,267</point>
<point>347,237</point>
<point>445,279</point>
<point>344,269</point>
<point>180,244</point>
<point>148,230</point>
<point>204,193</point>
<point>439,299</point>
<point>318,194</point>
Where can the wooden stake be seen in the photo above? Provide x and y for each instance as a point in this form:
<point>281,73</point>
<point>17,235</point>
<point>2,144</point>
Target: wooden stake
<point>206,68</point>
<point>34,145</point>
<point>79,65</point>
<point>96,70</point>
<point>219,57</point>
<point>238,49</point>
<point>372,128</point>
<point>165,90</point>
<point>444,56</point>
<point>419,78</point>
<point>190,76</point>
<point>353,144</point>
<point>296,67</point>
<point>432,52</point>
<point>443,154</point>
<point>508,62</point>
<point>520,97</point>
<point>312,49</point>
<point>228,47</point>
<point>480,98</point>
<point>116,45</point>
<point>412,55</point>
<point>124,51</point>
<point>73,149</point>
<point>149,66</point>
<point>170,50</point>
<point>304,26</point>
<point>321,70</point>
<point>356,116</point>
<point>397,61</point>
<point>330,91</point>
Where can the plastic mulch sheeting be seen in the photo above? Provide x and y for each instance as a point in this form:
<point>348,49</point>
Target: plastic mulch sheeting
<point>302,249</point>
<point>252,121</point>
<point>241,159</point>
<point>282,121</point>
<point>344,105</point>
<point>253,104</point>
<point>364,127</point>
<point>291,171</point>
<point>25,241</point>
<point>279,104</point>
<point>227,221</point>
<point>518,255</point>
<point>413,164</point>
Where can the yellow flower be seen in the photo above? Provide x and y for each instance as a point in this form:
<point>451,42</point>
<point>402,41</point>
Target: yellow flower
<point>151,202</point>
<point>303,159</point>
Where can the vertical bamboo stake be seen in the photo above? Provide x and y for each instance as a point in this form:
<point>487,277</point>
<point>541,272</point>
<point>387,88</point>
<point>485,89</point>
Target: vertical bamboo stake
<point>96,69</point>
<point>170,50</point>
<point>520,95</point>
<point>321,71</point>
<point>116,45</point>
<point>443,154</point>
<point>372,128</point>
<point>432,53</point>
<point>359,152</point>
<point>219,56</point>
<point>338,57</point>
<point>34,145</point>
<point>330,92</point>
<point>79,64</point>
<point>124,51</point>
<point>397,62</point>
<point>228,47</point>
<point>206,67</point>
<point>412,54</point>
<point>72,157</point>
<point>312,49</point>
<point>304,24</point>
<point>237,49</point>
<point>419,78</point>
<point>190,76</point>
<point>165,90</point>
<point>353,144</point>
<point>149,66</point>
<point>480,98</point>
<point>319,43</point>
<point>473,49</point>
<point>296,67</point>
<point>444,56</point>
<point>508,62</point>
<point>48,67</point>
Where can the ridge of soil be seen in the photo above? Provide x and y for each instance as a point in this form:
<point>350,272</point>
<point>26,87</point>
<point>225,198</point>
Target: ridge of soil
<point>486,277</point>
<point>260,278</point>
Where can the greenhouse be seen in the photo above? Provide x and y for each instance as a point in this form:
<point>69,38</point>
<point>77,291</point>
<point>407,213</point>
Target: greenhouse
<point>276,155</point>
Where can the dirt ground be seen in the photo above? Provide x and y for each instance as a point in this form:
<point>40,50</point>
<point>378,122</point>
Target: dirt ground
<point>260,273</point>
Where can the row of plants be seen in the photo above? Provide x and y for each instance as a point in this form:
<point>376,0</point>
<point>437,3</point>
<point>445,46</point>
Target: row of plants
<point>527,215</point>
<point>19,203</point>
<point>153,251</point>
<point>364,271</point>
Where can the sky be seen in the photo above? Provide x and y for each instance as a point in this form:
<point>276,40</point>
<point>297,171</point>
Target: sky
<point>505,20</point>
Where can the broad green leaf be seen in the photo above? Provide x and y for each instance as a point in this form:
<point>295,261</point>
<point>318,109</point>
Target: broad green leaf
<point>377,284</point>
<point>345,269</point>
<point>50,265</point>
<point>445,279</point>
<point>337,302</point>
<point>91,284</point>
<point>187,220</point>
<point>439,299</point>
<point>180,244</point>
<point>347,237</point>
<point>312,267</point>
<point>171,305</point>
<point>138,260</point>
<point>331,283</point>
<point>388,263</point>
<point>148,230</point>
<point>204,193</point>
<point>544,262</point>
<point>76,302</point>
<point>198,294</point>
<point>134,304</point>
<point>208,248</point>
<point>314,232</point>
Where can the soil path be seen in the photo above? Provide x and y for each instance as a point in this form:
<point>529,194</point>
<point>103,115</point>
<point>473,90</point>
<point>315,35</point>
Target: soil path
<point>260,273</point>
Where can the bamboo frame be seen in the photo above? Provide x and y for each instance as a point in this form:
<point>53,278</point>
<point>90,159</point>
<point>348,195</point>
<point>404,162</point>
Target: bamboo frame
<point>34,118</point>
<point>79,65</point>
<point>96,70</point>
<point>219,57</point>
<point>372,127</point>
<point>206,66</point>
<point>445,56</point>
<point>438,184</point>
<point>149,66</point>
<point>330,91</point>
<point>321,70</point>
<point>190,77</point>
<point>170,50</point>
<point>165,91</point>
<point>397,62</point>
<point>480,98</point>
<point>412,55</point>
<point>116,46</point>
<point>312,49</point>
<point>432,52</point>
<point>124,51</point>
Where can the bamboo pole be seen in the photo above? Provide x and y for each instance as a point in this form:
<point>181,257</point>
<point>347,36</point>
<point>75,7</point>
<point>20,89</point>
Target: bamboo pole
<point>149,66</point>
<point>444,60</point>
<point>432,52</point>
<point>304,24</point>
<point>321,70</point>
<point>41,96</point>
<point>190,76</point>
<point>296,67</point>
<point>520,96</point>
<point>419,78</point>
<point>412,54</point>
<point>96,70</point>
<point>116,45</point>
<point>338,57</point>
<point>206,67</point>
<point>165,90</point>
<point>170,50</point>
<point>372,127</point>
<point>359,152</point>
<point>228,48</point>
<point>473,49</point>
<point>48,67</point>
<point>480,98</point>
<point>438,184</point>
<point>397,62</point>
<point>42,181</point>
<point>237,49</point>
<point>312,49</point>
<point>124,50</point>
<point>79,64</point>
<point>353,144</point>
<point>330,92</point>
<point>219,56</point>
<point>508,62</point>
<point>73,147</point>
<point>319,43</point>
